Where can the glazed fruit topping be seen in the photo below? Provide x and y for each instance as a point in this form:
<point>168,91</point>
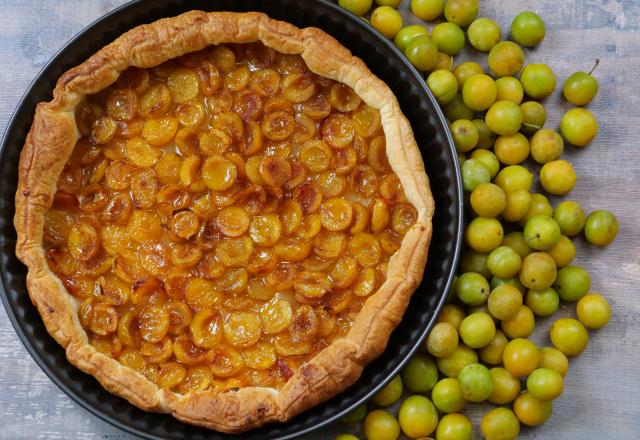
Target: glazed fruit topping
<point>223,217</point>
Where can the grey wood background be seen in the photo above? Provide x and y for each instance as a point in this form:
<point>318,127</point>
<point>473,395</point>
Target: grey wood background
<point>602,394</point>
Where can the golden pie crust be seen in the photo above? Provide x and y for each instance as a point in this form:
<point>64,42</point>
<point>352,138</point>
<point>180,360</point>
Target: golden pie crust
<point>49,145</point>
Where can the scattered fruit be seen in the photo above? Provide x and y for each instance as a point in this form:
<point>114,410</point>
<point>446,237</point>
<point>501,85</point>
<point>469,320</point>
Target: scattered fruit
<point>449,38</point>
<point>420,374</point>
<point>593,311</point>
<point>461,12</point>
<point>358,7</point>
<point>506,59</point>
<point>418,417</point>
<point>518,262</point>
<point>538,81</point>
<point>569,336</point>
<point>483,34</point>
<point>387,20</point>
<point>408,33</point>
<point>427,10</point>
<point>422,52</point>
<point>528,29</point>
<point>579,127</point>
<point>581,87</point>
<point>389,394</point>
<point>601,228</point>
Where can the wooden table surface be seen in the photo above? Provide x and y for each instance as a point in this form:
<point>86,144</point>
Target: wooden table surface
<point>602,391</point>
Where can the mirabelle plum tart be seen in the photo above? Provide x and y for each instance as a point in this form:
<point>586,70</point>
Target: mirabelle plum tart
<point>223,217</point>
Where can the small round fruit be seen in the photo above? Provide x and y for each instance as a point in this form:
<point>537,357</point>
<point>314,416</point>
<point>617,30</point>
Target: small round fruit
<point>466,70</point>
<point>420,374</point>
<point>475,382</point>
<point>527,29</point>
<point>601,228</point>
<point>444,86</point>
<point>488,200</point>
<point>474,173</point>
<point>520,357</point>
<point>515,240</point>
<point>509,89</point>
<point>462,356</point>
<point>454,427</point>
<point>408,33</point>
<point>473,261</point>
<point>389,394</point>
<point>504,302</point>
<point>521,325</point>
<point>563,252</point>
<point>472,288</point>
<point>572,283</point>
<point>422,52</point>
<point>453,314</point>
<point>486,140</point>
<point>500,424</point>
<point>504,262</point>
<point>358,7</point>
<point>570,217</point>
<point>558,177</point>
<point>541,232</point>
<point>531,411</point>
<point>579,127</point>
<point>485,156</point>
<point>387,21</point>
<point>543,302</point>
<point>504,118</point>
<point>554,359</point>
<point>457,109</point>
<point>381,425</point>
<point>427,10</point>
<point>512,150</point>
<point>392,3</point>
<point>545,384</point>
<point>506,59</point>
<point>593,311</point>
<point>505,387</point>
<point>447,396</point>
<point>465,135</point>
<point>479,92</point>
<point>538,80</point>
<point>442,340</point>
<point>484,234</point>
<point>477,330</point>
<point>356,416</point>
<point>580,88</point>
<point>418,417</point>
<point>569,336</point>
<point>492,353</point>
<point>538,271</point>
<point>449,38</point>
<point>345,437</point>
<point>517,206</point>
<point>444,62</point>
<point>461,12</point>
<point>534,117</point>
<point>539,206</point>
<point>483,34</point>
<point>546,146</point>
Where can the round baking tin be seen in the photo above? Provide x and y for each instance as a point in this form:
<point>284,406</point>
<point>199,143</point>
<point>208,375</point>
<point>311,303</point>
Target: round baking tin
<point>431,133</point>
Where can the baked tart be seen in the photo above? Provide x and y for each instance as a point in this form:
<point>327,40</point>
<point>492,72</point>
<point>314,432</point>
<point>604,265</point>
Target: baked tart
<point>223,217</point>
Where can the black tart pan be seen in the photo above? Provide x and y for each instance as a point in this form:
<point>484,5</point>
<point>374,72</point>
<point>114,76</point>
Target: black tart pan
<point>430,130</point>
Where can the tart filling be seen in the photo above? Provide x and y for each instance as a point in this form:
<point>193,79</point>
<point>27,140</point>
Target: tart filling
<point>224,216</point>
